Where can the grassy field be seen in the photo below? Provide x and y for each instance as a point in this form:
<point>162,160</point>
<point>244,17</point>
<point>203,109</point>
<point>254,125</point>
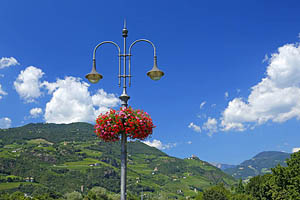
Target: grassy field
<point>84,164</point>
<point>86,161</point>
<point>7,186</point>
<point>39,141</point>
<point>91,153</point>
<point>11,146</point>
<point>9,154</point>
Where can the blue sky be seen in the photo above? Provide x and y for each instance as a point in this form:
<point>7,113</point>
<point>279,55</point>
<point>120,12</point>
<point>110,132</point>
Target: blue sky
<point>232,70</point>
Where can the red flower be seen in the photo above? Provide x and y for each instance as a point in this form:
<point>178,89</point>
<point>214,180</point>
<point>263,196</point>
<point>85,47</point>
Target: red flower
<point>135,123</point>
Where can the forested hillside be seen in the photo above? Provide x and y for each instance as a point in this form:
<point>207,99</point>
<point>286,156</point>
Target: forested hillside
<point>59,159</point>
<point>258,165</point>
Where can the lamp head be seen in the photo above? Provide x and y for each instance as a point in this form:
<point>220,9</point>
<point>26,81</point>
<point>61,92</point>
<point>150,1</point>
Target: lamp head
<point>94,76</point>
<point>155,73</point>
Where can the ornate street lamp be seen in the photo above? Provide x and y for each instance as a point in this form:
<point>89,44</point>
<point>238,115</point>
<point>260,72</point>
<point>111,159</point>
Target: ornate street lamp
<point>94,77</point>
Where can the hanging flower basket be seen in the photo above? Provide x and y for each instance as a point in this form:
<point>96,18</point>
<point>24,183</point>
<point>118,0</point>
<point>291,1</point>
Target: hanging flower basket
<point>136,124</point>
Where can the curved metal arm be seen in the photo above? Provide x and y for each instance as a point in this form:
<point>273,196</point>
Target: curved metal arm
<point>111,42</point>
<point>140,40</point>
<point>105,42</point>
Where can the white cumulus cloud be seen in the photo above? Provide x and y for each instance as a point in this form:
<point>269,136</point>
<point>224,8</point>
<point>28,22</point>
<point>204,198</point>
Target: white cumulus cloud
<point>296,149</point>
<point>159,145</point>
<point>275,98</point>
<point>226,95</point>
<point>2,92</point>
<point>36,112</point>
<point>104,101</point>
<point>5,122</point>
<point>72,102</point>
<point>266,58</point>
<point>211,125</point>
<point>195,127</point>
<point>28,83</point>
<point>7,62</point>
<point>202,104</point>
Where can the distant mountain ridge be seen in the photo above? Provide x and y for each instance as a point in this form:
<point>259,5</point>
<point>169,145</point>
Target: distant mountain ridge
<point>222,166</point>
<point>258,165</point>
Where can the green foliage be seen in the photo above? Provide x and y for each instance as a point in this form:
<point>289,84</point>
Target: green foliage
<point>54,133</point>
<point>285,182</point>
<point>240,187</point>
<point>4,196</point>
<point>218,192</point>
<point>73,196</point>
<point>18,196</point>
<point>241,197</point>
<point>47,196</point>
<point>259,188</point>
<point>62,158</point>
<point>10,178</point>
<point>282,184</point>
<point>97,193</point>
<point>199,196</point>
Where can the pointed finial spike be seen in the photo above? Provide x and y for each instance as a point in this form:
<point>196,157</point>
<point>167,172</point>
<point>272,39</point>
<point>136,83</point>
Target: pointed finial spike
<point>124,31</point>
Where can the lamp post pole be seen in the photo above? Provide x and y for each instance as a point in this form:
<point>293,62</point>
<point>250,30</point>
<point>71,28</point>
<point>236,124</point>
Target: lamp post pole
<point>94,77</point>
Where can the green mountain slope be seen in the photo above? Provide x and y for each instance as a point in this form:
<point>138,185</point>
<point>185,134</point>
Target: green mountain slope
<point>64,158</point>
<point>258,165</point>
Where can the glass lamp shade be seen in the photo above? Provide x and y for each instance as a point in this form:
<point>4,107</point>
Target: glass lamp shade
<point>155,74</point>
<point>94,77</point>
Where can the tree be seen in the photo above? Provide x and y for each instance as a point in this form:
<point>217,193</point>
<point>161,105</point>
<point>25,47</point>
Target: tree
<point>282,184</point>
<point>47,196</point>
<point>286,180</point>
<point>259,187</point>
<point>18,196</point>
<point>242,197</point>
<point>114,196</point>
<point>217,192</point>
<point>73,196</point>
<point>4,196</point>
<point>97,193</point>
<point>240,187</point>
<point>199,196</point>
<point>294,176</point>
